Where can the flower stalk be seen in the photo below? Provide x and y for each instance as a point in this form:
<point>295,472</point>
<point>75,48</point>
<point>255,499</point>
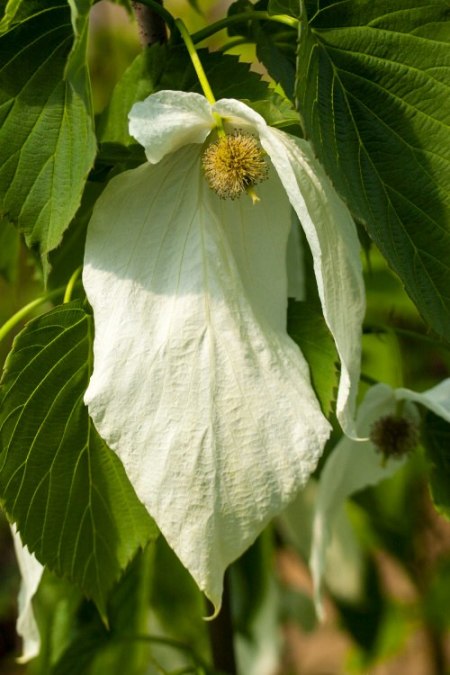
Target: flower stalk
<point>214,28</point>
<point>204,83</point>
<point>23,312</point>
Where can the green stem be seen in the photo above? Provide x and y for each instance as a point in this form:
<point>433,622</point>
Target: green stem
<point>214,28</point>
<point>206,87</point>
<point>71,284</point>
<point>196,61</point>
<point>27,309</point>
<point>368,379</point>
<point>404,332</point>
<point>233,42</point>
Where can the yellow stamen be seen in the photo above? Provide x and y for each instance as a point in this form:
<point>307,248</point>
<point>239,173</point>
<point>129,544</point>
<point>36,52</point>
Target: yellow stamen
<point>234,164</point>
<point>252,194</point>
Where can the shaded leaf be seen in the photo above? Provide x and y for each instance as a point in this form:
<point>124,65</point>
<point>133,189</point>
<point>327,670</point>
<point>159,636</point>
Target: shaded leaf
<point>290,7</point>
<point>278,112</point>
<point>177,601</point>
<point>9,250</point>
<point>67,257</point>
<point>94,649</point>
<point>67,492</point>
<point>275,42</point>
<point>308,329</point>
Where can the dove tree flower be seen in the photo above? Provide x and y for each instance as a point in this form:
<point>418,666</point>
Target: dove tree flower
<point>196,384</point>
<point>355,465</point>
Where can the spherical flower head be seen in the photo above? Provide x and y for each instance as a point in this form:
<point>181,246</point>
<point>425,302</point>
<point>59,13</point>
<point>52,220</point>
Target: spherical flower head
<point>394,436</point>
<point>234,164</point>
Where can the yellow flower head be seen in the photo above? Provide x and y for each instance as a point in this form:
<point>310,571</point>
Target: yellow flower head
<point>234,164</point>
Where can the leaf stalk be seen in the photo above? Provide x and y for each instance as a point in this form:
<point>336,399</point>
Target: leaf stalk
<point>214,28</point>
<point>27,309</point>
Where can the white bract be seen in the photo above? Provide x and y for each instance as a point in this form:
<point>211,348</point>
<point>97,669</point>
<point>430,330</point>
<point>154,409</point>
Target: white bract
<point>355,465</point>
<point>31,572</point>
<point>196,384</point>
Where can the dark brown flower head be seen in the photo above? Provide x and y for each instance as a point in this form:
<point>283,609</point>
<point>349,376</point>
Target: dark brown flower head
<point>394,436</point>
<point>234,164</point>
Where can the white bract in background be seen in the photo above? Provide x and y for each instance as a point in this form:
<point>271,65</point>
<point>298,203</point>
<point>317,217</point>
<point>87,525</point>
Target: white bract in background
<point>354,465</point>
<point>31,573</point>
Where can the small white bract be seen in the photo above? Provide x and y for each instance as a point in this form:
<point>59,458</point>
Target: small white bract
<point>196,384</point>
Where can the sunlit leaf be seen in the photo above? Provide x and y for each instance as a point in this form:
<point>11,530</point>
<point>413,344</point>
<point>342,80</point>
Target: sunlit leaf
<point>46,130</point>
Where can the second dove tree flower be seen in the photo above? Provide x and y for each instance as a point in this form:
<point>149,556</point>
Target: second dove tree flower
<point>196,384</point>
<point>355,465</point>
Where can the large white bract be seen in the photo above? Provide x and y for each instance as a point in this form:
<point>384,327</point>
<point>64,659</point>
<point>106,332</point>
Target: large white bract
<point>196,384</point>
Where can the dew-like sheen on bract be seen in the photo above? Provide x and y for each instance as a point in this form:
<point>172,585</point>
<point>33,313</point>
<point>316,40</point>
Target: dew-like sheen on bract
<point>233,164</point>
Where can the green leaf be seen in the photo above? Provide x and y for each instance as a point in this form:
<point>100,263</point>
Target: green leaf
<point>16,11</point>
<point>289,7</point>
<point>68,493</point>
<point>436,439</point>
<point>373,88</point>
<point>249,580</point>
<point>94,649</point>
<point>46,130</point>
<point>279,60</point>
<point>275,42</point>
<point>308,329</point>
<point>9,250</point>
<point>164,67</point>
<point>177,601</point>
<point>278,112</point>
<point>56,605</point>
<point>65,259</point>
<point>76,62</point>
